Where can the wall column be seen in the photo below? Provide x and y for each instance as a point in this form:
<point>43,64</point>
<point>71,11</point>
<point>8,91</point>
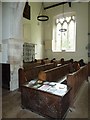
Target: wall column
<point>14,39</point>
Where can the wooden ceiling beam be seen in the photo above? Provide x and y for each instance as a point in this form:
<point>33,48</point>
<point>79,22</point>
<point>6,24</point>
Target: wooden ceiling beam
<point>61,3</point>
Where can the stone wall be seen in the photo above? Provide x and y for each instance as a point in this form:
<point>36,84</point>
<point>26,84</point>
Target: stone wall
<point>14,57</point>
<point>12,39</point>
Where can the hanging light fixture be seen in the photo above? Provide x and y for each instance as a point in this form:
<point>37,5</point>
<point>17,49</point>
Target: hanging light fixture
<point>63,29</point>
<point>41,17</point>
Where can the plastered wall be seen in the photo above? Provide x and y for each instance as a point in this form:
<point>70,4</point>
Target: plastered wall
<point>33,30</point>
<point>81,10</point>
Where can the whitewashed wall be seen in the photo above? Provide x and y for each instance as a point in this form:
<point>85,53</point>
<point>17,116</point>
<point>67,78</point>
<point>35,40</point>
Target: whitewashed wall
<point>0,32</point>
<point>81,10</point>
<point>0,61</point>
<point>33,30</point>
<point>89,30</point>
<point>12,47</point>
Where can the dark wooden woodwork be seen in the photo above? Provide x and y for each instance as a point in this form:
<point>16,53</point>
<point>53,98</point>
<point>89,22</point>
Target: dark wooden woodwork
<point>75,80</point>
<point>29,65</point>
<point>57,73</point>
<point>21,77</point>
<point>54,5</point>
<point>29,74</point>
<point>44,103</point>
<point>88,68</point>
<point>26,12</point>
<point>5,75</point>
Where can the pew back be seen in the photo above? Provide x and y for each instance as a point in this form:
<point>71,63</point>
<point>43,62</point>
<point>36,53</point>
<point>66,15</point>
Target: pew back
<point>29,74</point>
<point>57,73</point>
<point>75,80</point>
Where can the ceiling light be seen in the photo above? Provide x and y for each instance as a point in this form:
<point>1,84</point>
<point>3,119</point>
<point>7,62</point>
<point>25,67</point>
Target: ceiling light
<point>63,29</point>
<point>41,17</point>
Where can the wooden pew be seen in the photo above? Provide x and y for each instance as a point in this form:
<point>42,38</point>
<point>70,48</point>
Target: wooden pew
<point>30,65</point>
<point>56,74</point>
<point>46,103</point>
<point>75,80</point>
<point>29,74</point>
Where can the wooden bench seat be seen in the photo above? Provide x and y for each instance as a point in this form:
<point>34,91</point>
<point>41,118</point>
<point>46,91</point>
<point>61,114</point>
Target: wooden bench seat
<point>29,74</point>
<point>75,80</point>
<point>57,73</point>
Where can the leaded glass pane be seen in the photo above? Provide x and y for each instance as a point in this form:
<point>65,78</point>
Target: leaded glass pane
<point>65,34</point>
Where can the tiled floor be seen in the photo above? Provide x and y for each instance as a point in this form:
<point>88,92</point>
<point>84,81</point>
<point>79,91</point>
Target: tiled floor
<point>11,105</point>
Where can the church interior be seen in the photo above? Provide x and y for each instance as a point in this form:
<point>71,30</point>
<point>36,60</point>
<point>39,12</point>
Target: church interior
<point>45,59</point>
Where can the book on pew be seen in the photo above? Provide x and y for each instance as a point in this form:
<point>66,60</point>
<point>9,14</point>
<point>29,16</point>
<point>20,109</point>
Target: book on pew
<point>30,83</point>
<point>46,83</point>
<point>37,85</point>
<point>60,92</point>
<point>58,89</point>
<point>44,87</point>
<point>52,83</point>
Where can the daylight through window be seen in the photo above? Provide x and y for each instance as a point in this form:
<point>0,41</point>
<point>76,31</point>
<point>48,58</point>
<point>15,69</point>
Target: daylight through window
<point>64,40</point>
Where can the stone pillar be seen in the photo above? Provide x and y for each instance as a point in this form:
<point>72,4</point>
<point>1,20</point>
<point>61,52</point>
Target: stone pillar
<point>14,40</point>
<point>0,32</point>
<point>15,59</point>
<point>0,60</point>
